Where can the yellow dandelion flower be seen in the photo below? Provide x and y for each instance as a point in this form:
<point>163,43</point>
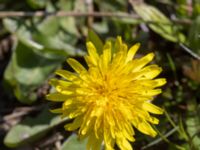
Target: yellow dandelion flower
<point>111,98</point>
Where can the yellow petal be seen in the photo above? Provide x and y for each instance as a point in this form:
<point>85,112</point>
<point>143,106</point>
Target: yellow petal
<point>106,58</point>
<point>56,82</point>
<point>145,128</point>
<point>67,103</point>
<point>152,108</point>
<point>97,126</point>
<point>127,134</point>
<point>107,136</point>
<point>152,71</point>
<point>140,63</point>
<point>56,97</point>
<point>118,43</point>
<point>75,124</point>
<point>57,110</point>
<point>123,144</point>
<point>151,92</point>
<point>153,120</point>
<point>151,83</point>
<point>76,65</point>
<point>93,142</point>
<point>132,51</point>
<point>66,74</point>
<point>104,61</point>
<point>160,82</point>
<point>63,87</point>
<point>93,55</point>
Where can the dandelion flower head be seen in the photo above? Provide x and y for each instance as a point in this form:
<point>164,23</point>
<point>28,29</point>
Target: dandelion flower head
<point>111,98</point>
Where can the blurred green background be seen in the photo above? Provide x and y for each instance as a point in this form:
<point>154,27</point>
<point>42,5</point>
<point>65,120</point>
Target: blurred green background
<point>36,37</point>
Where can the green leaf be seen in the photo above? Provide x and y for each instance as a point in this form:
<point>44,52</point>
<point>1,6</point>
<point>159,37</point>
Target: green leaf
<point>193,123</point>
<point>37,4</point>
<point>158,22</point>
<point>22,30</point>
<point>80,6</point>
<point>72,143</point>
<point>94,38</point>
<point>112,5</point>
<point>101,27</point>
<point>27,71</point>
<point>66,5</point>
<point>56,45</point>
<point>45,38</point>
<point>69,25</point>
<point>48,26</point>
<point>42,46</point>
<point>11,24</point>
<point>196,8</point>
<point>31,129</point>
<point>194,38</point>
<point>181,9</point>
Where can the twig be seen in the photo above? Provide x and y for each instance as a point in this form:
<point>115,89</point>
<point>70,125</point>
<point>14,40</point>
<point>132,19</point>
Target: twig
<point>4,14</point>
<point>160,139</point>
<point>90,8</point>
<point>190,51</point>
<point>21,112</point>
<point>49,140</point>
<point>5,46</point>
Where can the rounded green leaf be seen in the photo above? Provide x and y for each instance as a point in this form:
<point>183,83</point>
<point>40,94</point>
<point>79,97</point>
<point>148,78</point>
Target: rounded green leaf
<point>31,129</point>
<point>72,143</point>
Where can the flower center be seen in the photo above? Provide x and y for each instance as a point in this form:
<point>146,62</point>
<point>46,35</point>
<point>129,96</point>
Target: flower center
<point>106,90</point>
